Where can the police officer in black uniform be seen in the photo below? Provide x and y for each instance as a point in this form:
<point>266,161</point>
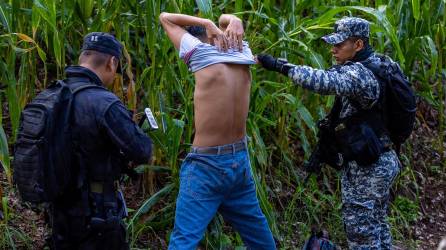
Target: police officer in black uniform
<point>89,216</point>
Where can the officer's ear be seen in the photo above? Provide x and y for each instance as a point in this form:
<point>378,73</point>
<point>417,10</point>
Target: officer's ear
<point>358,45</point>
<point>112,64</point>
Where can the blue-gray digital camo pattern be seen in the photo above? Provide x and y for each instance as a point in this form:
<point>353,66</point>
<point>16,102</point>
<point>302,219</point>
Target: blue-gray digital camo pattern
<point>348,27</point>
<point>365,198</point>
<point>350,81</point>
<point>365,189</point>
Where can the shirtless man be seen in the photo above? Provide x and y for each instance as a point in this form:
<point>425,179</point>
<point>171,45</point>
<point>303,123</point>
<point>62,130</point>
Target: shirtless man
<point>216,174</point>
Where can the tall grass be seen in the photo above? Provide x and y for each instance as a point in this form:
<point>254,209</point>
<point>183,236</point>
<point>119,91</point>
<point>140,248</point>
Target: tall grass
<point>38,38</point>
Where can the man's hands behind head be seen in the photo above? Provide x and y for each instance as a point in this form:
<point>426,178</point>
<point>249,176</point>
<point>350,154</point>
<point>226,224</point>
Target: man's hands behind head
<point>233,29</point>
<point>231,38</point>
<point>216,36</point>
<point>234,32</point>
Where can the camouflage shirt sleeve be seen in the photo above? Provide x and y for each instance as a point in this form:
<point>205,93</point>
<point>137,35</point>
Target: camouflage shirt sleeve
<point>351,80</point>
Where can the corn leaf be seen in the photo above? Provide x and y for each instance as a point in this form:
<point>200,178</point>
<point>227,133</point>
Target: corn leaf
<point>4,155</point>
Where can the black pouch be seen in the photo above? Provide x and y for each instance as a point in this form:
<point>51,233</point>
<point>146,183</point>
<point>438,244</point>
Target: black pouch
<point>359,143</point>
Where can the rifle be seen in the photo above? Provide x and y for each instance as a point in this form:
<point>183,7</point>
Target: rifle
<point>326,150</point>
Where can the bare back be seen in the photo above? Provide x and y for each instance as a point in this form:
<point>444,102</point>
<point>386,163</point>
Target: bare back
<point>222,87</point>
<point>221,103</point>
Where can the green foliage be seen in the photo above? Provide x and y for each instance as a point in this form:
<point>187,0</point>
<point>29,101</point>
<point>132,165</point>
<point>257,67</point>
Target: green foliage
<point>10,236</point>
<point>4,155</point>
<point>406,209</point>
<point>38,38</point>
<point>404,212</point>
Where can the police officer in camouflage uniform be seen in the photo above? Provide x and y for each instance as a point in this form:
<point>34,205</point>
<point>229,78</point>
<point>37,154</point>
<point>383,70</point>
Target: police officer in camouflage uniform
<point>89,215</point>
<point>365,188</point>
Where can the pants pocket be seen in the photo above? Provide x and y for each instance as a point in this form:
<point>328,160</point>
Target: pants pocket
<point>248,177</point>
<point>203,181</point>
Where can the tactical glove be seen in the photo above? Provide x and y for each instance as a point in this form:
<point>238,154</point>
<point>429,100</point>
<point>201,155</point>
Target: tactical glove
<point>275,64</point>
<point>314,164</point>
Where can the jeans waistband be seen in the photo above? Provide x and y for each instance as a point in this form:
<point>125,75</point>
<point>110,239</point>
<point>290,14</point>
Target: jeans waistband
<point>222,149</point>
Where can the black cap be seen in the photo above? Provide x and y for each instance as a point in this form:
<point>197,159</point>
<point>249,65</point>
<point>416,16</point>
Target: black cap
<point>102,42</point>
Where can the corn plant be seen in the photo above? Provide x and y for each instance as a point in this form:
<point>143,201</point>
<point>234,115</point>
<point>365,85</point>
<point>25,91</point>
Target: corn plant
<point>4,155</point>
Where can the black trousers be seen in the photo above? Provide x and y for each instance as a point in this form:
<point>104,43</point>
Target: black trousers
<point>71,231</point>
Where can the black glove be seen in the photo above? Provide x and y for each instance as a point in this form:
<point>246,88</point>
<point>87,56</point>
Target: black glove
<point>314,164</point>
<point>276,64</point>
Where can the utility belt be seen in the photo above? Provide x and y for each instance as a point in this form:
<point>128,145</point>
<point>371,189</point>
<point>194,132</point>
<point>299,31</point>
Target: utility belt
<point>107,205</point>
<point>360,142</point>
<point>98,187</point>
<point>222,149</point>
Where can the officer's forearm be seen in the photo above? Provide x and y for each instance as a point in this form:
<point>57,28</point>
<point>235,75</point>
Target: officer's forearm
<point>320,81</point>
<point>126,135</point>
<point>141,153</point>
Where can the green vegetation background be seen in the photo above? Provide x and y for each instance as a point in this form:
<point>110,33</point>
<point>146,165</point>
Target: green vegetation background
<point>38,38</point>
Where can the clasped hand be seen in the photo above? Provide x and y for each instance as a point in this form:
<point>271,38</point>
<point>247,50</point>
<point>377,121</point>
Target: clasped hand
<point>231,38</point>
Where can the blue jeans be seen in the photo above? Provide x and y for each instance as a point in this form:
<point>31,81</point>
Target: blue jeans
<point>221,182</point>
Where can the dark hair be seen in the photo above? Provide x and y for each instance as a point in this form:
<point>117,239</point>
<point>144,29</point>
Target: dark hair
<point>196,31</point>
<point>96,58</point>
<point>365,40</point>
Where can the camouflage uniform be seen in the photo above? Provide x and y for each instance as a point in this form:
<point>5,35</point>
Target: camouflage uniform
<point>365,189</point>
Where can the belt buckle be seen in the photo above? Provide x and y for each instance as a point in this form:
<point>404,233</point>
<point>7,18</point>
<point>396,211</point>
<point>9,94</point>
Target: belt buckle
<point>340,127</point>
<point>96,187</point>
